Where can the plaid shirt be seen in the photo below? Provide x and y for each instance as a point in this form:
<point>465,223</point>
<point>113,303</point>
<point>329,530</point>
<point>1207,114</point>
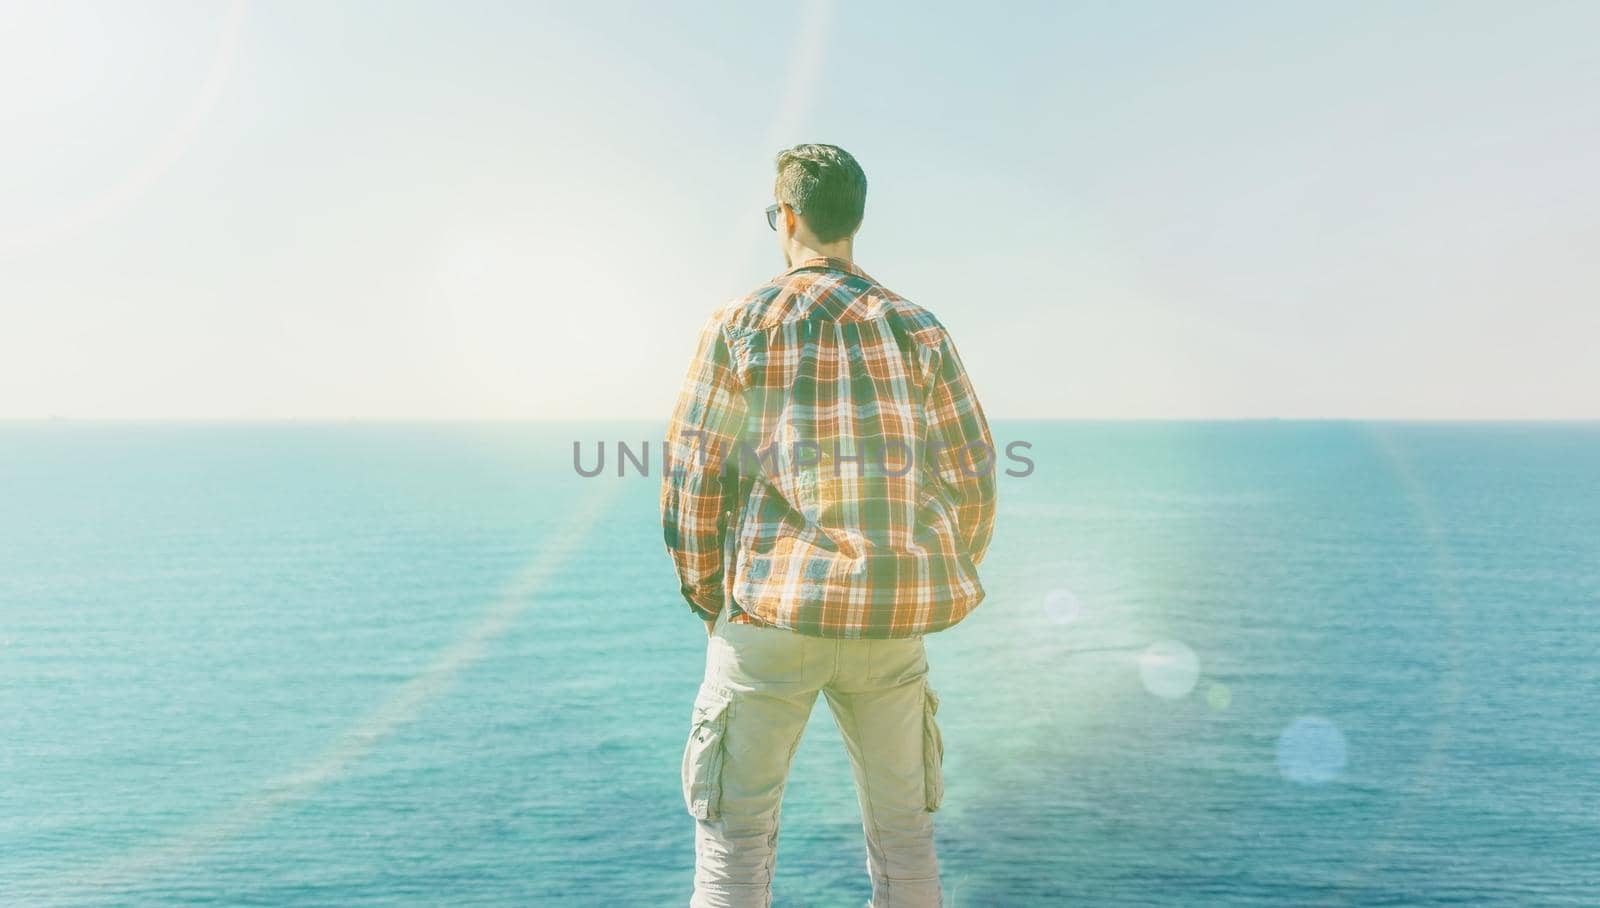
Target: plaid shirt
<point>827,447</point>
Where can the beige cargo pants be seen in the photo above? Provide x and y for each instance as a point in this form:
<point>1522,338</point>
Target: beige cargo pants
<point>760,684</point>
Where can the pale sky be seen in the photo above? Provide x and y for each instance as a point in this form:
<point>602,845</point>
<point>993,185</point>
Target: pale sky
<point>519,211</point>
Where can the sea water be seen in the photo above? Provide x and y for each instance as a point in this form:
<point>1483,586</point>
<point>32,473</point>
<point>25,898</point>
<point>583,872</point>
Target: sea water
<point>1237,664</point>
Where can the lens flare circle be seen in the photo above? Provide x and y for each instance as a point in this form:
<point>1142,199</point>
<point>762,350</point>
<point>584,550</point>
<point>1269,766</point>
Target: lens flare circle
<point>1062,606</point>
<point>1169,669</point>
<point>1311,751</point>
<point>1219,696</point>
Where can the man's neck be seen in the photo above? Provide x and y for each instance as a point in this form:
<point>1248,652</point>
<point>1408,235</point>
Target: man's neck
<point>801,252</point>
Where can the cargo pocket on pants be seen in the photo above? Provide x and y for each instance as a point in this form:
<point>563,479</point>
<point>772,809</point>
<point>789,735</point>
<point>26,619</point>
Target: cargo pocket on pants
<point>932,749</point>
<point>702,756</point>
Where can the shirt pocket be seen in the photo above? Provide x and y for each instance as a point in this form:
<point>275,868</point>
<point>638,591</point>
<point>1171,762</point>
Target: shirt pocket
<point>932,749</point>
<point>703,754</point>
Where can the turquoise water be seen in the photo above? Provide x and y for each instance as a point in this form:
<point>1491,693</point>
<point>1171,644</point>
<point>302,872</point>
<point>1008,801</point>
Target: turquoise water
<point>1219,664</point>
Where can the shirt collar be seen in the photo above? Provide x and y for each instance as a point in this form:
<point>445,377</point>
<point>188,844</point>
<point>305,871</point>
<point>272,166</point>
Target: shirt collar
<point>832,264</point>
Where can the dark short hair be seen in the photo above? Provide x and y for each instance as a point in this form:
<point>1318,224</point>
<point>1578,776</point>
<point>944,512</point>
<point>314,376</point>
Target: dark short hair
<point>826,185</point>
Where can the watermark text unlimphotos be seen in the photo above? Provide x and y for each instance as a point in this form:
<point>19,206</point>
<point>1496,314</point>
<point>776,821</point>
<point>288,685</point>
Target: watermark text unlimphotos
<point>891,458</point>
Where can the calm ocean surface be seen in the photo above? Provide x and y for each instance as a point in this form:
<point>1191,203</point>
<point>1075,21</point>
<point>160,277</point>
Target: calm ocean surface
<point>1230,664</point>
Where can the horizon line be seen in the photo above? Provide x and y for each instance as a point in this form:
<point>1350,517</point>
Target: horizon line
<point>510,420</point>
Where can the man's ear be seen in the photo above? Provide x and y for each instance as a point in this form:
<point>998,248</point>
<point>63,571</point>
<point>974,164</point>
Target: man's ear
<point>789,218</point>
